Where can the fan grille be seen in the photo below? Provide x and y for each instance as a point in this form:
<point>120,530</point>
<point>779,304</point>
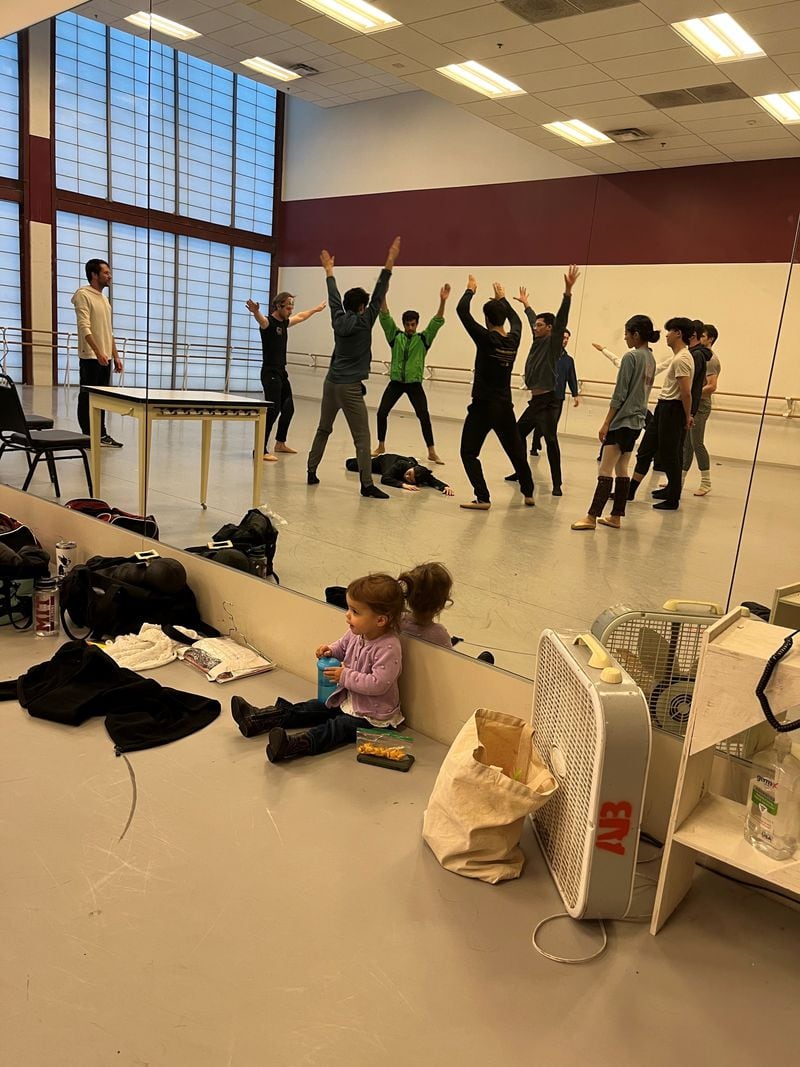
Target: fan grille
<point>661,655</point>
<point>565,719</point>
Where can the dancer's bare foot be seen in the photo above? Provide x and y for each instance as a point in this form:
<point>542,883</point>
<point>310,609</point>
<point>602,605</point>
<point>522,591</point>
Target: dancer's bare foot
<point>281,446</point>
<point>380,449</point>
<point>434,457</point>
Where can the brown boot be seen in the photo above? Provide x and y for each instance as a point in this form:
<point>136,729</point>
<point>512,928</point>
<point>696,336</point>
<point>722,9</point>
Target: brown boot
<point>281,746</point>
<point>253,721</point>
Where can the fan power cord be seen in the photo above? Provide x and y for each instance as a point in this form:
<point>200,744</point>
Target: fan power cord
<point>567,959</point>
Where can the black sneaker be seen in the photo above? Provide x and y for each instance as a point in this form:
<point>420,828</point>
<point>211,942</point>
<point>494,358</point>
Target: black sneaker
<point>511,478</point>
<point>374,491</point>
<point>557,490</point>
<point>312,478</point>
<point>107,441</point>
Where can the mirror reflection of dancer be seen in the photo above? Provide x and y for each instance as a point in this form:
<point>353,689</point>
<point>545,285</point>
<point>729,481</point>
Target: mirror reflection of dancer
<point>695,439</point>
<point>623,423</point>
<point>352,319</point>
<point>409,349</point>
<point>403,472</point>
<point>543,408</point>
<point>274,377</point>
<point>492,407</point>
<point>566,375</point>
<point>97,347</point>
<point>673,417</point>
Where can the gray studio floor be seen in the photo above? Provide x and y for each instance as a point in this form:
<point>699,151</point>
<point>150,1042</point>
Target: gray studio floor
<point>254,915</point>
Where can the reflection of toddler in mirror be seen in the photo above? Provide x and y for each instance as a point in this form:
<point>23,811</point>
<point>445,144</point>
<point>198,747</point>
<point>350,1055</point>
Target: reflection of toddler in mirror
<point>427,588</point>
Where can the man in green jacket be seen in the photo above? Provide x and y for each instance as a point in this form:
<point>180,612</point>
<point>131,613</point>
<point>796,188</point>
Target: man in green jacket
<point>409,349</point>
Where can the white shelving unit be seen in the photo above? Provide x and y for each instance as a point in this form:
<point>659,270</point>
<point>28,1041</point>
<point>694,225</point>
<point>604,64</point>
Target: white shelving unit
<point>724,703</point>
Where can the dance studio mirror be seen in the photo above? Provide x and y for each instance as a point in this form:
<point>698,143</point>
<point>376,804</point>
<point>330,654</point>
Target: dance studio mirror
<point>197,212</point>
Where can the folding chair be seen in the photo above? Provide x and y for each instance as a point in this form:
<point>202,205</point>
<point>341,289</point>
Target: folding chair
<point>48,445</point>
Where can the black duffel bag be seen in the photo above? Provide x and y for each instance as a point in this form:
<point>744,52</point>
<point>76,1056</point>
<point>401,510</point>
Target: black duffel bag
<point>255,531</point>
<point>114,595</point>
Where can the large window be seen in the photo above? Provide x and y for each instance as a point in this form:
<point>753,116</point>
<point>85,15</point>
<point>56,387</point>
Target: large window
<point>139,123</point>
<point>9,107</point>
<point>178,304</point>
<point>10,320</point>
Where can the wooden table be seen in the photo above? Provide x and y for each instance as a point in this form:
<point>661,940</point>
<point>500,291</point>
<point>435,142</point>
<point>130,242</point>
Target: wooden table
<point>147,405</point>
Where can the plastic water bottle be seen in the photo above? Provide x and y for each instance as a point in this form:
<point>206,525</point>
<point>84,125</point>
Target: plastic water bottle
<point>324,685</point>
<point>773,800</point>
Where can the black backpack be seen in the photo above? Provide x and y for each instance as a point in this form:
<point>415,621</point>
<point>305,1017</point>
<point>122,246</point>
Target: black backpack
<point>115,595</point>
<point>22,560</point>
<point>255,530</point>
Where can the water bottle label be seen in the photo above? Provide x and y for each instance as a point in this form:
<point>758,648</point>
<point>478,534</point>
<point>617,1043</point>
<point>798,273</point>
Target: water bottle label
<point>764,802</point>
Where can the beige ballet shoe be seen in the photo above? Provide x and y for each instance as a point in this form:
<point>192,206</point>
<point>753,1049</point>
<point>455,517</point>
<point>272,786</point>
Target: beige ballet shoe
<point>583,524</point>
<point>703,490</point>
<point>434,458</point>
<point>281,446</point>
<point>529,502</point>
<point>476,505</point>
<point>379,451</point>
<point>612,522</point>
<point>269,458</point>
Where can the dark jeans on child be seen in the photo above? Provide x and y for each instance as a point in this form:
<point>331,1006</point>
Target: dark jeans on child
<point>327,727</point>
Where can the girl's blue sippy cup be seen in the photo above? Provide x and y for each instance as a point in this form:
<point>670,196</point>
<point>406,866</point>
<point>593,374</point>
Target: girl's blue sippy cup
<point>324,685</point>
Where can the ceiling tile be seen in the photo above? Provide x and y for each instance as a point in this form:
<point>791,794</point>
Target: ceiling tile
<point>602,23</point>
<point>676,79</point>
<point>678,10</point>
<point>414,44</point>
<point>760,20</point>
<point>487,18</point>
<point>488,109</point>
<point>759,76</point>
<point>561,79</point>
<point>408,11</point>
<point>687,156</point>
<point>718,109</point>
<point>789,63</point>
<point>178,10</point>
<point>653,63</point>
<point>283,10</point>
<point>758,134</point>
<point>509,121</point>
<point>444,87</point>
<point>241,35</point>
<point>592,109</point>
<point>503,43</point>
<point>634,43</point>
<point>732,122</point>
<point>211,21</point>
<point>582,93</point>
<point>762,150</point>
<point>365,47</point>
<point>535,111</point>
<point>399,65</point>
<point>616,153</point>
<point>295,36</point>
<point>322,28</point>
<point>780,41</point>
<point>539,59</point>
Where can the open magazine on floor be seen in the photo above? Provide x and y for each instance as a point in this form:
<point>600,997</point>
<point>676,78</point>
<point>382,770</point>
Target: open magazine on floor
<point>221,659</point>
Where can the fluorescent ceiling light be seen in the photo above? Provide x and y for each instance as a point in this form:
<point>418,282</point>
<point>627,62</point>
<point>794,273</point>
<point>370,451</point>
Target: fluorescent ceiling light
<point>479,78</point>
<point>785,107</point>
<point>272,70</point>
<point>578,132</point>
<point>719,38</point>
<point>161,25</point>
<point>356,14</point>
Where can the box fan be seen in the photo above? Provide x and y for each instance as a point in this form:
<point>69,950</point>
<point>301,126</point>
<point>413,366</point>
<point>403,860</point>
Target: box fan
<point>592,728</point>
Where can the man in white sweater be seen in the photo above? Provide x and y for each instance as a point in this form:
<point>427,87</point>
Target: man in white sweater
<point>96,346</point>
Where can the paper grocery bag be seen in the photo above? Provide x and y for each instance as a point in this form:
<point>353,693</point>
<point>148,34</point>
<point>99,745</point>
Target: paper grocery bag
<point>491,778</point>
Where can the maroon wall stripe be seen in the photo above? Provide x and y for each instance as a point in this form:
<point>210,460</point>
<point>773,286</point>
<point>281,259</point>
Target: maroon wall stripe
<point>40,184</point>
<point>724,213</point>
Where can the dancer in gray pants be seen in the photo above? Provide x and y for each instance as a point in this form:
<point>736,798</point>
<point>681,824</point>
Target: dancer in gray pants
<point>352,319</point>
<point>695,445</point>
